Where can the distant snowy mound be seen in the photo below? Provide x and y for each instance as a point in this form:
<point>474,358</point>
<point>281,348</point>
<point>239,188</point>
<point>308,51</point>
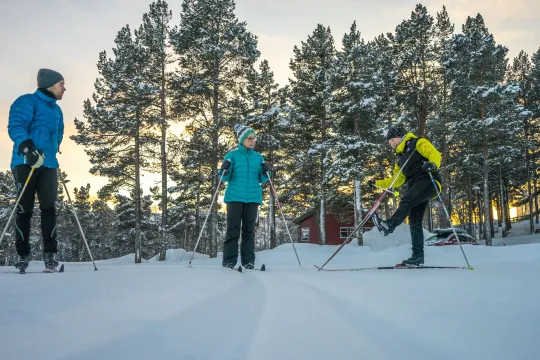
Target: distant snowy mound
<point>179,255</point>
<point>376,241</point>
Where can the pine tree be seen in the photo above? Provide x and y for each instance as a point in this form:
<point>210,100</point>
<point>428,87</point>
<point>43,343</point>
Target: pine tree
<point>483,104</point>
<point>534,128</point>
<point>8,196</point>
<point>193,190</point>
<point>119,132</point>
<point>154,37</point>
<point>354,102</point>
<point>312,127</point>
<point>417,66</point>
<point>267,115</point>
<point>520,74</point>
<point>384,75</point>
<point>438,126</point>
<point>216,53</point>
<point>101,234</point>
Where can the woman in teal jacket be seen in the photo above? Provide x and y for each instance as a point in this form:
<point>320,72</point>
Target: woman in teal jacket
<point>245,170</point>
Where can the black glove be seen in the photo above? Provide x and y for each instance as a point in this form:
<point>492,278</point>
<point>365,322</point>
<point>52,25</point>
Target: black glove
<point>429,166</point>
<point>34,157</point>
<point>225,165</point>
<point>371,184</point>
<point>266,167</point>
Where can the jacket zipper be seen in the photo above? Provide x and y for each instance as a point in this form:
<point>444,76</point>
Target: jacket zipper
<point>247,159</point>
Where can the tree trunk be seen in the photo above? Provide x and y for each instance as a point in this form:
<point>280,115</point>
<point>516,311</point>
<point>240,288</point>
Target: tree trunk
<point>445,177</point>
<point>535,184</point>
<point>358,192</point>
<point>322,222</point>
<point>138,234</point>
<point>530,201</point>
<point>272,220</point>
<point>163,228</point>
<point>487,200</point>
<point>507,207</point>
<point>503,204</point>
<point>358,211</point>
<point>198,209</point>
<point>216,156</point>
<point>470,207</point>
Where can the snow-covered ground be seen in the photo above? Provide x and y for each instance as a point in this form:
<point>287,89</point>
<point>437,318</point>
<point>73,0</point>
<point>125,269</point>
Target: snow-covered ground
<point>165,310</point>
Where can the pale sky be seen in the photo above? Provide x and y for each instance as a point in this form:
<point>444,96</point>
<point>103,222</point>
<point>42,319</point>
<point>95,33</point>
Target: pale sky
<point>67,36</point>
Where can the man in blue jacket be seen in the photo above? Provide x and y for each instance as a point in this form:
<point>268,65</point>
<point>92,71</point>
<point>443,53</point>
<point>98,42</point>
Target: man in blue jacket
<point>36,126</point>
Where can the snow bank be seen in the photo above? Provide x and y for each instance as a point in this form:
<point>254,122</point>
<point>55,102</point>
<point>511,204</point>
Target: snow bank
<point>179,255</point>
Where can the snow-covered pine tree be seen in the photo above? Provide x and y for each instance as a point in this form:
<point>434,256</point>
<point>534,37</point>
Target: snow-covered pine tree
<point>483,103</point>
<point>353,102</point>
<point>384,75</point>
<point>216,53</point>
<point>267,115</point>
<point>193,189</point>
<point>154,38</point>
<point>8,196</point>
<point>125,225</point>
<point>534,128</point>
<point>312,125</point>
<point>83,208</point>
<point>418,68</point>
<point>438,125</point>
<point>119,134</point>
<point>101,233</point>
<point>520,74</point>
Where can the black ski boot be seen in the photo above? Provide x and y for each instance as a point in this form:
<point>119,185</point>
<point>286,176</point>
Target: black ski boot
<point>415,260</point>
<point>22,263</point>
<point>384,226</point>
<point>249,266</point>
<point>50,261</point>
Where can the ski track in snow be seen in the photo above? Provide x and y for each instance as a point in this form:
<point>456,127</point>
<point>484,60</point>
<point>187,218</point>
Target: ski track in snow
<point>167,311</point>
<point>237,308</point>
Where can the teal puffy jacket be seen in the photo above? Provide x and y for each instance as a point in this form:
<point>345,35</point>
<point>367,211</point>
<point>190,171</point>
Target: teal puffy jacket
<point>245,176</point>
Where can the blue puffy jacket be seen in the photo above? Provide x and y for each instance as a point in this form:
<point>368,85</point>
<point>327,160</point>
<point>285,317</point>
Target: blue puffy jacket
<point>245,176</point>
<point>36,116</point>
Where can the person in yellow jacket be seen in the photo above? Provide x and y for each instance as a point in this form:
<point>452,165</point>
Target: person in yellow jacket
<point>422,158</point>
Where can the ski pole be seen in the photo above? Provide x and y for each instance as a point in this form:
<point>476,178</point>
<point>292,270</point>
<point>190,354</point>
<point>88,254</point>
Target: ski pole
<point>16,203</point>
<point>449,220</point>
<point>204,224</point>
<point>77,219</point>
<point>387,190</point>
<point>369,214</point>
<point>283,216</point>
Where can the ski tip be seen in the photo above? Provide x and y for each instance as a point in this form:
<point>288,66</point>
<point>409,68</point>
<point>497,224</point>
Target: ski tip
<point>239,269</point>
<point>263,267</point>
<point>61,268</point>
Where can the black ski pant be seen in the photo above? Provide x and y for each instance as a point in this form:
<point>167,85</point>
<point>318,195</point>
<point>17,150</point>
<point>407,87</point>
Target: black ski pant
<point>44,182</point>
<point>414,204</point>
<point>241,217</point>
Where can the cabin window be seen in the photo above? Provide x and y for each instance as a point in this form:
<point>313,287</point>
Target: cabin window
<point>344,232</point>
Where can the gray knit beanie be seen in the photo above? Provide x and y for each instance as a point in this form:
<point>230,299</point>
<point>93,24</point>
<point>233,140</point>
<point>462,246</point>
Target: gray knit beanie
<point>47,78</point>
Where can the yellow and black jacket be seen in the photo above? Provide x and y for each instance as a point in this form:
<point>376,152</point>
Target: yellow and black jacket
<point>425,151</point>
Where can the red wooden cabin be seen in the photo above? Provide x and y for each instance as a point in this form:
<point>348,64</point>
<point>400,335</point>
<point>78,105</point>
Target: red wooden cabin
<point>337,230</point>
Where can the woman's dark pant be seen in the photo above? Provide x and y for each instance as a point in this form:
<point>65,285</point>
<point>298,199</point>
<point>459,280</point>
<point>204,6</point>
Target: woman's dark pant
<point>241,218</point>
